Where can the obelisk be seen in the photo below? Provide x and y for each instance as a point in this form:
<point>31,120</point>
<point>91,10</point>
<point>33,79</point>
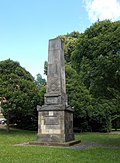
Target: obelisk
<point>55,117</point>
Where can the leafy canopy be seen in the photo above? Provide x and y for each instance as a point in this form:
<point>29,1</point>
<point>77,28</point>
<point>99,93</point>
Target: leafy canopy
<point>18,87</point>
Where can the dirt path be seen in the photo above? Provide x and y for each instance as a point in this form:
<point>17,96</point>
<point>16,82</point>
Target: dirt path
<point>116,132</point>
<point>85,145</point>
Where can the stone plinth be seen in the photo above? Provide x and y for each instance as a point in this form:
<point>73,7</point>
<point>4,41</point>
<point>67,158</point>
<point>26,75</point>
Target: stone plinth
<point>55,124</point>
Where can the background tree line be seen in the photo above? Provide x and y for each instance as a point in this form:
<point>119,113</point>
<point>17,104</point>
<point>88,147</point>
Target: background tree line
<point>92,61</point>
<point>22,92</point>
<point>93,76</point>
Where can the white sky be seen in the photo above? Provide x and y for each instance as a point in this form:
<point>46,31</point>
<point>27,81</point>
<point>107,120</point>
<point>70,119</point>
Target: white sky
<point>103,9</point>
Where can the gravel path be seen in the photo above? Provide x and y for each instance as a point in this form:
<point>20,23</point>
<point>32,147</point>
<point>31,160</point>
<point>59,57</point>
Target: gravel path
<point>85,145</point>
<point>81,146</point>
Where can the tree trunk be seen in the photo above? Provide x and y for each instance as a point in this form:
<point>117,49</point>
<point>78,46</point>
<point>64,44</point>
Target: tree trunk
<point>8,120</point>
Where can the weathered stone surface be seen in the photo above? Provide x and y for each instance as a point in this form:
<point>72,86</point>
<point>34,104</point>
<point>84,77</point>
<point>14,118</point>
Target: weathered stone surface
<point>55,117</point>
<point>50,120</point>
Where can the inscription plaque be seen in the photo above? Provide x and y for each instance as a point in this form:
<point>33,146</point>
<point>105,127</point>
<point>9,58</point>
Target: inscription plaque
<point>51,121</point>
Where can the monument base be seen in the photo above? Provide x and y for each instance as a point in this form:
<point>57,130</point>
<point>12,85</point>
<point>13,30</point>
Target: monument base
<point>62,144</point>
<point>55,124</point>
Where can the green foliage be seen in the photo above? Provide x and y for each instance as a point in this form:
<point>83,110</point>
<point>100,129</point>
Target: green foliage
<point>21,93</point>
<point>45,67</point>
<point>100,39</point>
<point>93,79</point>
<point>40,82</point>
<point>79,98</point>
<point>69,44</point>
<point>101,115</point>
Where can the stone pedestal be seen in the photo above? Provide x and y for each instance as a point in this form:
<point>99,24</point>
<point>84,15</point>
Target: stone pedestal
<point>55,124</point>
<point>55,117</point>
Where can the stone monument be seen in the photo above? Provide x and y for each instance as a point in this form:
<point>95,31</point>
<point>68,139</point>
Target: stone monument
<point>55,117</point>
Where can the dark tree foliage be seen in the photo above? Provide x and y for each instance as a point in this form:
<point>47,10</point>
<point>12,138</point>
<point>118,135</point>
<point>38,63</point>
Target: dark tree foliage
<point>18,87</point>
<point>79,98</point>
<point>96,59</point>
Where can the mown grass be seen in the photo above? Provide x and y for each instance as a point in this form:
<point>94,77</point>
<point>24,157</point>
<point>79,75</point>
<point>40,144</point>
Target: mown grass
<point>39,154</point>
<point>110,139</point>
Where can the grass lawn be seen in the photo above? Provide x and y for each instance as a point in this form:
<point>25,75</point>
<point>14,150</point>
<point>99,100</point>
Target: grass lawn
<point>39,154</point>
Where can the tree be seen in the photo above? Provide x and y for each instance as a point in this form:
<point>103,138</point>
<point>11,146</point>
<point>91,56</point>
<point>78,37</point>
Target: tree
<point>79,98</point>
<point>45,67</point>
<point>40,82</point>
<point>96,59</point>
<point>18,87</point>
<point>69,40</point>
<point>41,86</point>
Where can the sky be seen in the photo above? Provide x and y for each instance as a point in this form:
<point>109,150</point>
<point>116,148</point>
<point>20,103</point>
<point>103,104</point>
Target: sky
<point>27,25</point>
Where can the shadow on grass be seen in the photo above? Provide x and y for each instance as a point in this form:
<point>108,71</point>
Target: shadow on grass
<point>14,131</point>
<point>100,138</point>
